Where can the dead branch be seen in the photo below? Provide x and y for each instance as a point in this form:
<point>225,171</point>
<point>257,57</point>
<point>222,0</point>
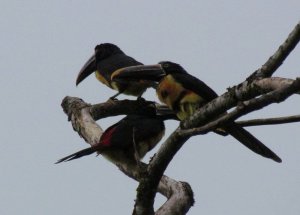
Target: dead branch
<point>124,107</point>
<point>269,121</point>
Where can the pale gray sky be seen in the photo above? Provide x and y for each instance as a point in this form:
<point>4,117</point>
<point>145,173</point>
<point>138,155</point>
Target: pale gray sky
<point>45,43</point>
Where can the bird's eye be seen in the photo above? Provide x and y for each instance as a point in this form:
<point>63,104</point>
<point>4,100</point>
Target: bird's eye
<point>164,93</point>
<point>166,65</point>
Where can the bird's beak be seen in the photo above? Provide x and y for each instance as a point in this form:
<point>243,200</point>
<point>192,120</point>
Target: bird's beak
<point>88,68</point>
<point>141,72</point>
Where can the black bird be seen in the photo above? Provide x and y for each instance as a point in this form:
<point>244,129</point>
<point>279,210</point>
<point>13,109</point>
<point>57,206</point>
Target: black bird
<point>128,140</point>
<point>107,59</point>
<point>184,94</point>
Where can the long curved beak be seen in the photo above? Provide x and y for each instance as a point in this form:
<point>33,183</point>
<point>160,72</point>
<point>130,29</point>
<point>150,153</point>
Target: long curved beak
<point>88,68</point>
<point>141,72</point>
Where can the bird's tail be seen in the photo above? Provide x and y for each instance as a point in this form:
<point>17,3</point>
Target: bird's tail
<point>250,141</point>
<point>78,154</point>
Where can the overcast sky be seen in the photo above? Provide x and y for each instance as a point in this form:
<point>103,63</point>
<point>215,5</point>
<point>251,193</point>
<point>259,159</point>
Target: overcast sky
<point>43,45</point>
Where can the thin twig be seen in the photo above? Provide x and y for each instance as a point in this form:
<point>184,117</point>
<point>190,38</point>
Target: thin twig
<point>269,121</point>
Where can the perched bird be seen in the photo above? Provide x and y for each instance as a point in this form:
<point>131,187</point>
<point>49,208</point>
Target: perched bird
<point>107,59</point>
<point>128,140</point>
<point>184,93</point>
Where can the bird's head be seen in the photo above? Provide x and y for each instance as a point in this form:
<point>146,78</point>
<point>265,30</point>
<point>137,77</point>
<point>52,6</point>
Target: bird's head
<point>106,50</point>
<point>102,51</point>
<point>148,72</point>
<point>171,68</point>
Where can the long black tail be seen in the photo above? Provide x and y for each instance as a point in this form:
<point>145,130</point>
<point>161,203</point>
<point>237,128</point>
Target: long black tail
<point>250,141</point>
<point>77,155</point>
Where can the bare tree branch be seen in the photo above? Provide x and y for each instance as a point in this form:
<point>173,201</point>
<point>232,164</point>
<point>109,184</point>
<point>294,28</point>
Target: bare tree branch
<point>123,107</point>
<point>269,121</point>
<point>82,122</point>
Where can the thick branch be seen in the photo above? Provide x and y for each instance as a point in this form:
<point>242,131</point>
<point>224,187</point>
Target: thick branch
<point>147,187</point>
<point>82,122</point>
<point>123,107</point>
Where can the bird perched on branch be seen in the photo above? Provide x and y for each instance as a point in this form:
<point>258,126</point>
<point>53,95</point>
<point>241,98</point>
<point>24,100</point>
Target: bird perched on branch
<point>184,94</point>
<point>128,140</point>
<point>107,59</point>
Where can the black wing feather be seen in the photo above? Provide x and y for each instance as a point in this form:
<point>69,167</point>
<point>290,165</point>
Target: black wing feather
<point>192,83</point>
<point>109,65</point>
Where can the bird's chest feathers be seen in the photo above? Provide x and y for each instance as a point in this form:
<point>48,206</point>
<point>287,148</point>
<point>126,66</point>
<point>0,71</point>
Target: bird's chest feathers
<point>102,79</point>
<point>178,98</point>
<point>169,90</point>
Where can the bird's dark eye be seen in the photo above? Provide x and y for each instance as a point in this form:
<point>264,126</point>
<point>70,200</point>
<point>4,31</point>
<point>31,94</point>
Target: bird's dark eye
<point>164,93</point>
<point>166,65</point>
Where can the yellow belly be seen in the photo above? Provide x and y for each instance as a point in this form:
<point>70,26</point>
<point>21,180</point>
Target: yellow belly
<point>188,105</point>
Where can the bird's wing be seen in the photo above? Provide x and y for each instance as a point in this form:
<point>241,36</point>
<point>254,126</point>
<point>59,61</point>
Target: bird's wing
<point>109,65</point>
<point>192,83</point>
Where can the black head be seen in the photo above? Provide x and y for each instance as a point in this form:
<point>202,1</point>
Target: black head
<point>102,51</point>
<point>106,50</point>
<point>171,68</point>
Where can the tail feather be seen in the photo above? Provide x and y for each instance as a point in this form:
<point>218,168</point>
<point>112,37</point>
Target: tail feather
<point>250,141</point>
<point>77,155</point>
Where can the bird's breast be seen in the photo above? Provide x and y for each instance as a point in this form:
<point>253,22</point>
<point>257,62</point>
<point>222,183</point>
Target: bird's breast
<point>178,98</point>
<point>168,91</point>
<point>102,79</point>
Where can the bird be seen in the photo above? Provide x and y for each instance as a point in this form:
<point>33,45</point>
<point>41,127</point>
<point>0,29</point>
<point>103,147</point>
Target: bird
<point>184,94</point>
<point>106,60</point>
<point>127,140</point>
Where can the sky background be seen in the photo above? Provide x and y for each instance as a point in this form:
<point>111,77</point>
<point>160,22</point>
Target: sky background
<point>43,45</point>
